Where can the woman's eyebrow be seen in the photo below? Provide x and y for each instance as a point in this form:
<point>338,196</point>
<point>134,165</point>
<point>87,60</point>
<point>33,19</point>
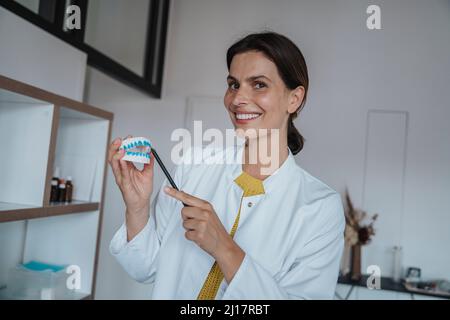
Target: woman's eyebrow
<point>252,78</point>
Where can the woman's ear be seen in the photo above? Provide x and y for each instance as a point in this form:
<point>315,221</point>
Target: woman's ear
<point>296,98</point>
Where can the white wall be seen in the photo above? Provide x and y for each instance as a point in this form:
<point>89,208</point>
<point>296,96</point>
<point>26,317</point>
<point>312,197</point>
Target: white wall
<point>33,56</point>
<point>404,66</point>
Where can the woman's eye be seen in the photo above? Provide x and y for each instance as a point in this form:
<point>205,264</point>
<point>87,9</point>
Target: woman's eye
<point>233,85</point>
<point>259,85</point>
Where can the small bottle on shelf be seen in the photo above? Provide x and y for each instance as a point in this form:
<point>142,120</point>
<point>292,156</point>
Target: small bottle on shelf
<point>69,189</point>
<point>54,191</point>
<point>62,191</point>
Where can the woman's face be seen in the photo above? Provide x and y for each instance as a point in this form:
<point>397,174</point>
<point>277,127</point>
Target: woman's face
<point>257,97</point>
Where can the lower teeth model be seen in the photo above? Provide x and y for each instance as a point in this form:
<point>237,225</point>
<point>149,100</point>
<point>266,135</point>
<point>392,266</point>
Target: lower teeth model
<point>137,149</point>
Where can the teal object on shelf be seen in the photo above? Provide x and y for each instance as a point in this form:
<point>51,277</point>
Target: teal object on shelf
<point>40,266</point>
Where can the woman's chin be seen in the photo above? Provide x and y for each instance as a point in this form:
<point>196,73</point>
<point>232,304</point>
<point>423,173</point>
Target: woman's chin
<point>247,127</point>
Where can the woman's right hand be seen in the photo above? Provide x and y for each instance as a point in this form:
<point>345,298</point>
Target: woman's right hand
<point>136,186</point>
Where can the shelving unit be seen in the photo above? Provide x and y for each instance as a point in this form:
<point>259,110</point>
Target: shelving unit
<point>41,130</point>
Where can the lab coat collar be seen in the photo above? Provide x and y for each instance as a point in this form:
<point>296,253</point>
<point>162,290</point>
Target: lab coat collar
<point>270,182</point>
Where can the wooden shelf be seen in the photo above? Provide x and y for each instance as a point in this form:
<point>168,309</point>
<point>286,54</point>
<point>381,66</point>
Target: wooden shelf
<point>33,92</point>
<point>15,212</point>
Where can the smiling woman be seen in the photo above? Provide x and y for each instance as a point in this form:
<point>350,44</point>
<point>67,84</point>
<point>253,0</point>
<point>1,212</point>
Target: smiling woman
<point>244,233</point>
<point>267,70</point>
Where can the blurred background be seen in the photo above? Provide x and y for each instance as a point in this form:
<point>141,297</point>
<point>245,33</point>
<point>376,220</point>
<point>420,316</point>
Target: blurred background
<point>376,121</point>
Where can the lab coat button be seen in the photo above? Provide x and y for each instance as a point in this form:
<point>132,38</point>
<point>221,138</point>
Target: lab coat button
<point>249,204</point>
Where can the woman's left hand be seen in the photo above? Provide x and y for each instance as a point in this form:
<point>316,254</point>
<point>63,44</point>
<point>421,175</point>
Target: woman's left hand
<point>202,224</point>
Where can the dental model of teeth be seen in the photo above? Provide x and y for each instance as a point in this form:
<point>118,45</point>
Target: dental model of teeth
<point>137,149</point>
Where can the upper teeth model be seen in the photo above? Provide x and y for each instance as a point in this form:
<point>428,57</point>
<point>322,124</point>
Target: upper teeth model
<point>137,149</point>
<point>242,116</point>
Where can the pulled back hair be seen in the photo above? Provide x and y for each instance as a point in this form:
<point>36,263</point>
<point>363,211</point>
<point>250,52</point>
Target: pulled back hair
<point>291,67</point>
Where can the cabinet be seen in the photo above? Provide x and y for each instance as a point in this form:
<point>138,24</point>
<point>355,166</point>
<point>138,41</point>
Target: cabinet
<point>40,131</point>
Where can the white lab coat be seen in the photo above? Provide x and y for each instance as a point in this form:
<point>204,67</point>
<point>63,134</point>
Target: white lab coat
<point>292,236</point>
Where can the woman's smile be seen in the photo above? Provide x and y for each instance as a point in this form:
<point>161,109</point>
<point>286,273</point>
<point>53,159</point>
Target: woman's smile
<point>246,117</point>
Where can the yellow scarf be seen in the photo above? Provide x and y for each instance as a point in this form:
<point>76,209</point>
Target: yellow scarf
<point>251,187</point>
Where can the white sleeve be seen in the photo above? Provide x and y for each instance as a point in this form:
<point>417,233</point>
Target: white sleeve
<point>314,273</point>
<point>139,256</point>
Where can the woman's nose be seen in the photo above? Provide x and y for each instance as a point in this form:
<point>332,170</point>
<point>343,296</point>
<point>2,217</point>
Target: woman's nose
<point>240,98</point>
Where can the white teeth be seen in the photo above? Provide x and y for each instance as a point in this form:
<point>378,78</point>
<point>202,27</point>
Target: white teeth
<point>246,116</point>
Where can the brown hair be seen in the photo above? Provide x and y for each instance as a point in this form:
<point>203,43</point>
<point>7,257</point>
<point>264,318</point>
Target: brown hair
<point>291,67</point>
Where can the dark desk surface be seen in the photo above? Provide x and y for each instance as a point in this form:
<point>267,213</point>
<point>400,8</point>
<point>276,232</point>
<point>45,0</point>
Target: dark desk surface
<point>386,284</point>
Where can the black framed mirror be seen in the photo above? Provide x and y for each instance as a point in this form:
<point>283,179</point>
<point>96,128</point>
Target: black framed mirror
<point>125,39</point>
